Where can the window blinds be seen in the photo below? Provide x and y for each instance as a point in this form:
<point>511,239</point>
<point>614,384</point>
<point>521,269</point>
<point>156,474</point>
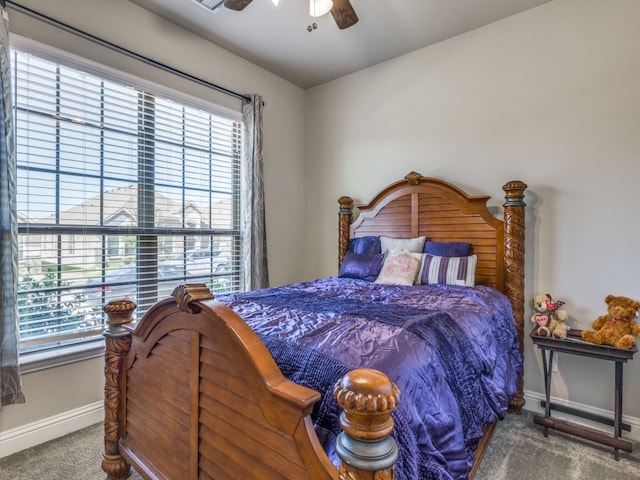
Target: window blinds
<point>122,192</point>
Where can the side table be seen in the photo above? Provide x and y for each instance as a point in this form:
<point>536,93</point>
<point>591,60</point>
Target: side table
<point>574,345</point>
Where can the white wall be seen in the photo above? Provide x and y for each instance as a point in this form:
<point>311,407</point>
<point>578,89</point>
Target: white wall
<point>69,388</point>
<point>549,97</point>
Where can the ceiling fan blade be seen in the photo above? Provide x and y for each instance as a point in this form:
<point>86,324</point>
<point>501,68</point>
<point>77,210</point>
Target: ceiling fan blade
<point>344,14</point>
<point>237,4</point>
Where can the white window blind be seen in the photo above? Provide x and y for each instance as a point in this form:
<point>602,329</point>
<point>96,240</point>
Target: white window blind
<point>122,193</point>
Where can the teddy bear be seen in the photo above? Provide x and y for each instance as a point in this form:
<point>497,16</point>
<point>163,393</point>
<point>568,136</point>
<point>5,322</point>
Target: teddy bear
<point>550,318</point>
<point>618,327</point>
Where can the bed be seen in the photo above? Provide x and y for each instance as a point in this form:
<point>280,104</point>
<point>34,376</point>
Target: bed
<point>343,377</point>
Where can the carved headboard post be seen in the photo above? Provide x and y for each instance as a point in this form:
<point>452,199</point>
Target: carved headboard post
<point>365,447</point>
<point>118,344</point>
<point>514,242</point>
<point>345,216</point>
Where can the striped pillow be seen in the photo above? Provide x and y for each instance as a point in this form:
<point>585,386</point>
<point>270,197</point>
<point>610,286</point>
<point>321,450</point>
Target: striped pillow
<point>448,270</point>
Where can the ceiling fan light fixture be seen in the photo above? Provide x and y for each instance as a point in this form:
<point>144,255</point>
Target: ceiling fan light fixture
<point>317,8</point>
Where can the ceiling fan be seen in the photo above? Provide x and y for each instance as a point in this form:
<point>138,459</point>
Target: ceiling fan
<point>342,11</point>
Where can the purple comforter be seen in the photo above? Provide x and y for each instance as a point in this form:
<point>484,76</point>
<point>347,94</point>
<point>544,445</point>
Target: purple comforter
<point>453,351</point>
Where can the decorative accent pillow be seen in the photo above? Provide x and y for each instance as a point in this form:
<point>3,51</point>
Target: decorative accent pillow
<point>448,270</point>
<point>391,244</point>
<point>448,249</point>
<point>399,268</point>
<point>365,245</point>
<point>365,267</point>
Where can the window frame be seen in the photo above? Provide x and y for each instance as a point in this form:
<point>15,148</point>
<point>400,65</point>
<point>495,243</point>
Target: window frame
<point>45,358</point>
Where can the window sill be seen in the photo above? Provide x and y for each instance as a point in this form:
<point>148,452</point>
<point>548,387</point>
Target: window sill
<point>33,362</point>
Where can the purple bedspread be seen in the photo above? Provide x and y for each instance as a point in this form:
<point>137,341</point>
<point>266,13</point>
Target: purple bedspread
<point>453,351</point>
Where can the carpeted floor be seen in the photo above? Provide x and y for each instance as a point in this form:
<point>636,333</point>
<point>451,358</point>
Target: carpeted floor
<point>518,451</point>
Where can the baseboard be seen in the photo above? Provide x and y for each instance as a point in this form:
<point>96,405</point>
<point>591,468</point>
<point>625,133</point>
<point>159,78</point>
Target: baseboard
<point>27,436</point>
<point>532,404</point>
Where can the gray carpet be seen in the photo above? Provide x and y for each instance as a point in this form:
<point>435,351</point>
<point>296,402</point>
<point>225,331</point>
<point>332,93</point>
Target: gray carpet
<point>518,451</point>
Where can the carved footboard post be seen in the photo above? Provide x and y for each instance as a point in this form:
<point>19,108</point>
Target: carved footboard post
<point>118,343</point>
<point>344,227</point>
<point>366,450</point>
<point>514,241</point>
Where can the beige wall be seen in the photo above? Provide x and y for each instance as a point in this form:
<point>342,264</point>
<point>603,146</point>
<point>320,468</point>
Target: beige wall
<point>550,97</point>
<point>57,390</point>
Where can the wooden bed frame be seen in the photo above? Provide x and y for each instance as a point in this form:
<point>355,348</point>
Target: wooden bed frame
<point>426,206</point>
<point>191,391</point>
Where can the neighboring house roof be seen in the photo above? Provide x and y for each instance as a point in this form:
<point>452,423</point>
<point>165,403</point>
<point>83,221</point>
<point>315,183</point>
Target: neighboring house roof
<point>123,216</point>
<point>117,210</point>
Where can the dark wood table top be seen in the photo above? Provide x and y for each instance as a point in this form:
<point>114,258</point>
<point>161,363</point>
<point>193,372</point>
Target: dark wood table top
<point>576,345</point>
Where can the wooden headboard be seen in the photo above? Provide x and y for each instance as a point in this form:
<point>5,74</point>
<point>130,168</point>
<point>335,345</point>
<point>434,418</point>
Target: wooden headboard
<point>417,205</point>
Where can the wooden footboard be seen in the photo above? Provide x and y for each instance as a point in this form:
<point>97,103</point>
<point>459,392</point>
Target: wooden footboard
<point>191,392</point>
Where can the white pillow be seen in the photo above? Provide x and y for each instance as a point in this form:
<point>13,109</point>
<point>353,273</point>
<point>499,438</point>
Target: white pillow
<point>399,268</point>
<point>391,244</point>
<point>448,270</point>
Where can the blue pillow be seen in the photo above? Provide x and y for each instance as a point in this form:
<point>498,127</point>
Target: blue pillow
<point>364,267</point>
<point>365,245</point>
<point>447,249</point>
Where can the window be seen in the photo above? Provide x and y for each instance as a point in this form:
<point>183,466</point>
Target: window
<point>122,192</point>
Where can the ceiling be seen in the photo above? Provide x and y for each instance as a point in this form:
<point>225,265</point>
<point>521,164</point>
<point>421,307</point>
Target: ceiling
<point>276,37</point>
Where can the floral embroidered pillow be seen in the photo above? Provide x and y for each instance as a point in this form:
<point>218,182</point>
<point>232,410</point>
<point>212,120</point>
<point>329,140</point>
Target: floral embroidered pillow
<point>399,268</point>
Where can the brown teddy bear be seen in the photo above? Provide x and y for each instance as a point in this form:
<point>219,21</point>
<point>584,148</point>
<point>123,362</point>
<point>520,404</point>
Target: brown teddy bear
<point>549,317</point>
<point>618,327</point>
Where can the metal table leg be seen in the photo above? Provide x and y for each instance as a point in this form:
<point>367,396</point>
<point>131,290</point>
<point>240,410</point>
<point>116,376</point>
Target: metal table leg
<point>548,368</point>
<point>617,422</point>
